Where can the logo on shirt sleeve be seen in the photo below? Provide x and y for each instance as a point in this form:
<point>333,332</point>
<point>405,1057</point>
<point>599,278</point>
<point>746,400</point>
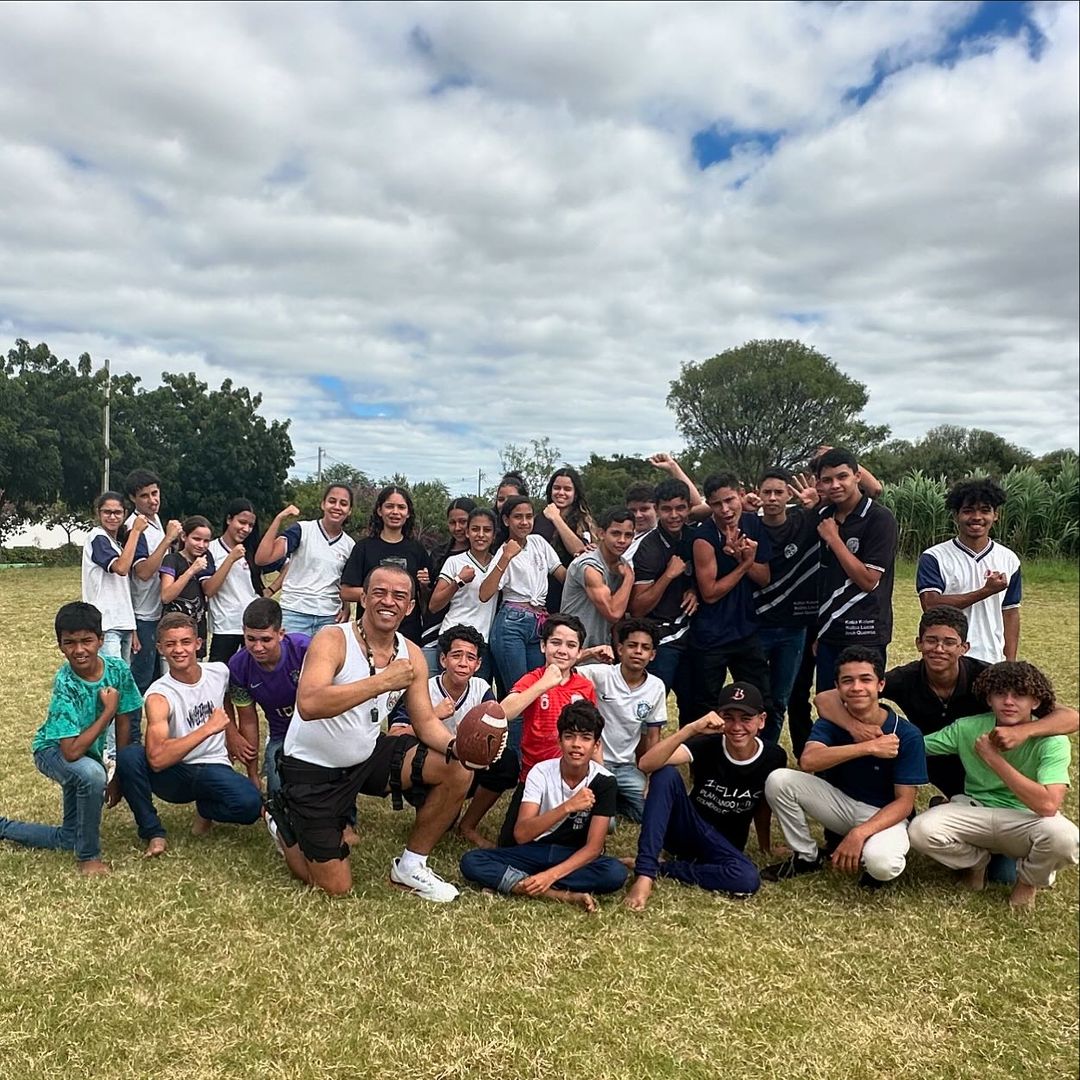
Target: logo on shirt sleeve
<point>853,545</point>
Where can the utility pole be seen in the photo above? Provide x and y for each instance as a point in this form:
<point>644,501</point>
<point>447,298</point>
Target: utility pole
<point>107,422</point>
<point>479,481</point>
<point>321,452</point>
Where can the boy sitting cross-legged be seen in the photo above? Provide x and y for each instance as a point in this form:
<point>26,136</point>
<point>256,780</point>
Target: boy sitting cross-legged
<point>1013,790</point>
<point>539,698</point>
<point>88,692</point>
<point>561,825</point>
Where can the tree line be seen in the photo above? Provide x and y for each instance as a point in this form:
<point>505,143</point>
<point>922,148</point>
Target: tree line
<point>765,403</point>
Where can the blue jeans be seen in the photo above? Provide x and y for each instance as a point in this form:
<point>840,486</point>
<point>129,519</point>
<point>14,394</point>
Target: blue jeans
<point>503,868</point>
<point>783,647</point>
<point>299,622</point>
<point>827,652</point>
<point>515,649</point>
<point>145,666</point>
<point>116,643</point>
<point>218,792</point>
<point>702,855</point>
<point>82,783</point>
<point>630,800</point>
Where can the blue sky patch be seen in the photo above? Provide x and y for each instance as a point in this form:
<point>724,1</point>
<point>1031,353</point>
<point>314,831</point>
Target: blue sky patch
<point>989,23</point>
<point>993,20</point>
<point>342,396</point>
<point>289,171</point>
<point>711,145</point>
<point>77,162</point>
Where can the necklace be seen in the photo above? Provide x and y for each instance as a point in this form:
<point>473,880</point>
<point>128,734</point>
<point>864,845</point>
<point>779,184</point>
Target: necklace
<point>369,655</point>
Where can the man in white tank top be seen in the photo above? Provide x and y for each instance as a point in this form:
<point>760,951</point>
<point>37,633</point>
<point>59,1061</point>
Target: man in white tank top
<point>186,758</point>
<point>336,748</point>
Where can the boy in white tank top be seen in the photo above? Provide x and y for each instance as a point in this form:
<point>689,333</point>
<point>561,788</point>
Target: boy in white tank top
<point>185,758</point>
<point>336,747</point>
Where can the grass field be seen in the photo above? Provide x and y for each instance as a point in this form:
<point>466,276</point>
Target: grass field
<point>210,962</point>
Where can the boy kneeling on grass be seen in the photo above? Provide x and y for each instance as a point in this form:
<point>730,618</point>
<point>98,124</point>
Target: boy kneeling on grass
<point>88,693</point>
<point>567,804</point>
<point>186,758</point>
<point>1013,789</point>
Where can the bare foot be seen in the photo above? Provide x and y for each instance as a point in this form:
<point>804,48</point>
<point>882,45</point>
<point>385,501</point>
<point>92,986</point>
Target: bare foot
<point>155,848</point>
<point>477,839</point>
<point>350,836</point>
<point>583,900</point>
<point>637,896</point>
<point>93,868</point>
<point>627,862</point>
<point>1022,898</point>
<point>974,877</point>
<point>201,826</point>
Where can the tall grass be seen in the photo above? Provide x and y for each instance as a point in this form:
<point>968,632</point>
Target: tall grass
<point>1040,519</point>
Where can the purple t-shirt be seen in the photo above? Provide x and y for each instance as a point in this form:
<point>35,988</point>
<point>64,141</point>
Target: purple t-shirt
<point>274,690</point>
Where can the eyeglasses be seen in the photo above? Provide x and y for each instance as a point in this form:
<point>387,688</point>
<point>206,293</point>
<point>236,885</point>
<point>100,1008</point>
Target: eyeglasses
<point>948,644</point>
<point>112,513</point>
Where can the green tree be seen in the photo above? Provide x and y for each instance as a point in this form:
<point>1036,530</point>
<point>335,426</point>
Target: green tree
<point>768,403</point>
<point>59,515</point>
<point>208,446</point>
<point>948,451</point>
<point>606,479</point>
<point>534,462</point>
<point>51,442</point>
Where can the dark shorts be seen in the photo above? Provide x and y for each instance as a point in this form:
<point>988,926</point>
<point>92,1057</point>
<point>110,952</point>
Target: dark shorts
<point>500,777</point>
<point>318,799</point>
<point>222,646</point>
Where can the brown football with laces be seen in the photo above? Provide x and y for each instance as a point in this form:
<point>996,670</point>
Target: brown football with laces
<point>481,735</point>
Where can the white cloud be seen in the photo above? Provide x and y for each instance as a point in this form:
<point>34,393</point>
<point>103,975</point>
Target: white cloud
<point>273,193</point>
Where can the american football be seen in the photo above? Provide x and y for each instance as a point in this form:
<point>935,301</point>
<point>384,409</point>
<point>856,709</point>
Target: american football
<point>481,735</point>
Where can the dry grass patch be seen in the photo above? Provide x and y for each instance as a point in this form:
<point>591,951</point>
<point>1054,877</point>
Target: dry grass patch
<point>210,963</point>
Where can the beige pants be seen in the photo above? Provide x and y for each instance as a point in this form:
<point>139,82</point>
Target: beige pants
<point>960,834</point>
<point>795,795</point>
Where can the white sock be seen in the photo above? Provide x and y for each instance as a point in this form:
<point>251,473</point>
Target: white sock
<point>411,862</point>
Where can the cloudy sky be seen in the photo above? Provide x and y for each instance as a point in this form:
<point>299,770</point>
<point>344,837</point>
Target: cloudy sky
<point>425,230</point>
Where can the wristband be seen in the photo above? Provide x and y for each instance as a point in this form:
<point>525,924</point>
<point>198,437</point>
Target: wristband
<point>450,751</point>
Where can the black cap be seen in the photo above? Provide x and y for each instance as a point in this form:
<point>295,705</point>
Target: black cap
<point>743,696</point>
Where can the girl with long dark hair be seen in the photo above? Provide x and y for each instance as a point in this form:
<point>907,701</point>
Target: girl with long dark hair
<point>566,523</point>
<point>390,542</point>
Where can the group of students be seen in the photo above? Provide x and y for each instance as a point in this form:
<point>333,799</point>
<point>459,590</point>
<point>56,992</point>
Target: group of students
<point>584,626</point>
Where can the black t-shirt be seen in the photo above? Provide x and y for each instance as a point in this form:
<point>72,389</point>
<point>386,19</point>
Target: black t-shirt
<point>849,616</point>
<point>907,687</point>
<point>408,555</point>
<point>731,618</point>
<point>726,793</point>
<point>791,597</point>
<point>191,600</point>
<point>650,561</point>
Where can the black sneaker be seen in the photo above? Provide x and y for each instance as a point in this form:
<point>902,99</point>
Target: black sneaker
<point>794,866</point>
<point>832,841</point>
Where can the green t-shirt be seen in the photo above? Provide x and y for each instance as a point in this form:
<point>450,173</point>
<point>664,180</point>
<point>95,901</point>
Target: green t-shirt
<point>75,704</point>
<point>1044,759</point>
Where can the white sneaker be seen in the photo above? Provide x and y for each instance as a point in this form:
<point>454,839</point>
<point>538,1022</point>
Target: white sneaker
<point>110,767</point>
<point>424,882</point>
